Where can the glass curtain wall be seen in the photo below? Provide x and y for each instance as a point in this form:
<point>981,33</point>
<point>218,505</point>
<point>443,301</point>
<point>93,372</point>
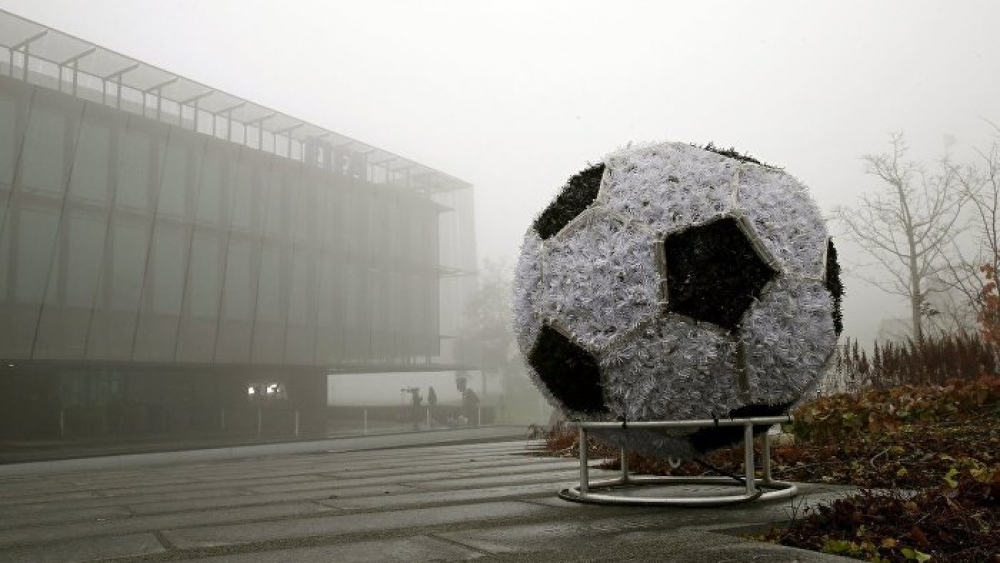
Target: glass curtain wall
<point>124,238</point>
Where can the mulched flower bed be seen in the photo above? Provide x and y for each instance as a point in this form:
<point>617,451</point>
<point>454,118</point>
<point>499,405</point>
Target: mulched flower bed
<point>926,457</point>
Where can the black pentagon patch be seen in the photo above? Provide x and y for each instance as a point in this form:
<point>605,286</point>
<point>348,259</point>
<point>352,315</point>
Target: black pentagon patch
<point>714,273</point>
<point>707,439</point>
<point>731,152</point>
<point>568,371</point>
<point>834,286</point>
<point>576,196</point>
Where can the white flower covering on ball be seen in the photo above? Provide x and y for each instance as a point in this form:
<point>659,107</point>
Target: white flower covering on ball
<point>788,338</point>
<point>526,286</point>
<point>600,278</point>
<point>672,282</point>
<point>785,219</point>
<point>660,371</point>
<point>646,185</point>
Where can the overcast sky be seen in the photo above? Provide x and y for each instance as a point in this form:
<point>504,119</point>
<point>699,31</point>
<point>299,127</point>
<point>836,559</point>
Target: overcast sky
<point>515,97</point>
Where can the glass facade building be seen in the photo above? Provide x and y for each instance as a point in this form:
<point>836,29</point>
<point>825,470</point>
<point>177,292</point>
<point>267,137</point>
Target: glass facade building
<point>153,228</point>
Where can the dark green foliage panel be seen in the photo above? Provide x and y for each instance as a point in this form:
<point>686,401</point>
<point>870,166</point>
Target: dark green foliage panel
<point>576,196</point>
<point>569,372</point>
<point>714,273</point>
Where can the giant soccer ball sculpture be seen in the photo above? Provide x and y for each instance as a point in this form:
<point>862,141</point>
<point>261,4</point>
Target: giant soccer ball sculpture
<point>671,282</point>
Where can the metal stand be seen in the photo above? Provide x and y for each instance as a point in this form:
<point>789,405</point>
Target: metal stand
<point>614,491</point>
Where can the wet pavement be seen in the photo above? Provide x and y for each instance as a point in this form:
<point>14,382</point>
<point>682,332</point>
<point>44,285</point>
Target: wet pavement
<point>361,502</point>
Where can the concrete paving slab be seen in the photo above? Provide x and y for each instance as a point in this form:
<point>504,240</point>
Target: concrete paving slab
<point>260,483</point>
<point>358,482</point>
<point>210,536</point>
<point>417,549</point>
<point>140,498</point>
<point>84,549</point>
<point>55,504</point>
<point>341,444</point>
<point>810,495</point>
<point>653,537</point>
<point>28,497</point>
<point>542,536</point>
<point>429,498</point>
<point>332,494</point>
<point>57,516</point>
<point>492,466</point>
<point>499,480</point>
<point>434,502</point>
<point>655,546</point>
<point>554,501</point>
<point>112,527</point>
<point>419,475</point>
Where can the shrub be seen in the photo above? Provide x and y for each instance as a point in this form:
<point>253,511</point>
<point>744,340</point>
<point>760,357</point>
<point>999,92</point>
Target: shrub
<point>838,417</point>
<point>935,361</point>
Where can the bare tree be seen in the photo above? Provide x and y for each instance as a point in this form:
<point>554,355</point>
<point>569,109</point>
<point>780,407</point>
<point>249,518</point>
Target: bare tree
<point>487,338</point>
<point>980,185</point>
<point>906,226</point>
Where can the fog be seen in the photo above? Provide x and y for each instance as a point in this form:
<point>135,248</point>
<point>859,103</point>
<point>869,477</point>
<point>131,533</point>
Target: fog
<point>392,389</point>
<point>515,97</point>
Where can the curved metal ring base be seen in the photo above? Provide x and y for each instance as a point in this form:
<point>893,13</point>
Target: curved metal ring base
<point>616,489</point>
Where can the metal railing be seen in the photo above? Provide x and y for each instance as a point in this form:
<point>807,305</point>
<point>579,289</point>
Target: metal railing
<point>175,100</point>
<point>617,490</point>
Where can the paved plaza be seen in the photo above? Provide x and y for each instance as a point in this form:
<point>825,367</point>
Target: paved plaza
<point>444,496</point>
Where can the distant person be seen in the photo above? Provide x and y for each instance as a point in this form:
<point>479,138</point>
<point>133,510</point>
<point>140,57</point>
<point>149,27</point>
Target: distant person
<point>415,401</point>
<point>432,401</point>
<point>471,403</point>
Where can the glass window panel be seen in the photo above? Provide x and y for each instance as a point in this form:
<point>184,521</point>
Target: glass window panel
<point>432,237</point>
<point>216,177</point>
<point>278,203</point>
<point>137,170</point>
<point>358,299</point>
<point>391,224</point>
<point>208,196</point>
<point>5,190</point>
<point>13,110</point>
<point>167,274</point>
<point>331,218</point>
<point>329,301</point>
<point>86,250</point>
<point>129,246</point>
<point>249,193</point>
<point>413,234</point>
<point>411,304</point>
<point>395,298</point>
<point>306,208</point>
<point>205,276</point>
<point>47,148</point>
<point>6,268</point>
<point>300,306</point>
<point>92,161</point>
<point>270,301</point>
<point>179,175</point>
<point>352,232</point>
<point>36,241</point>
<point>241,280</point>
<point>378,222</point>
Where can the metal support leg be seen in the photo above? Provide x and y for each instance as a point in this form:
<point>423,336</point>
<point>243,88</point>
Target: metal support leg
<point>748,461</point>
<point>618,490</point>
<point>765,453</point>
